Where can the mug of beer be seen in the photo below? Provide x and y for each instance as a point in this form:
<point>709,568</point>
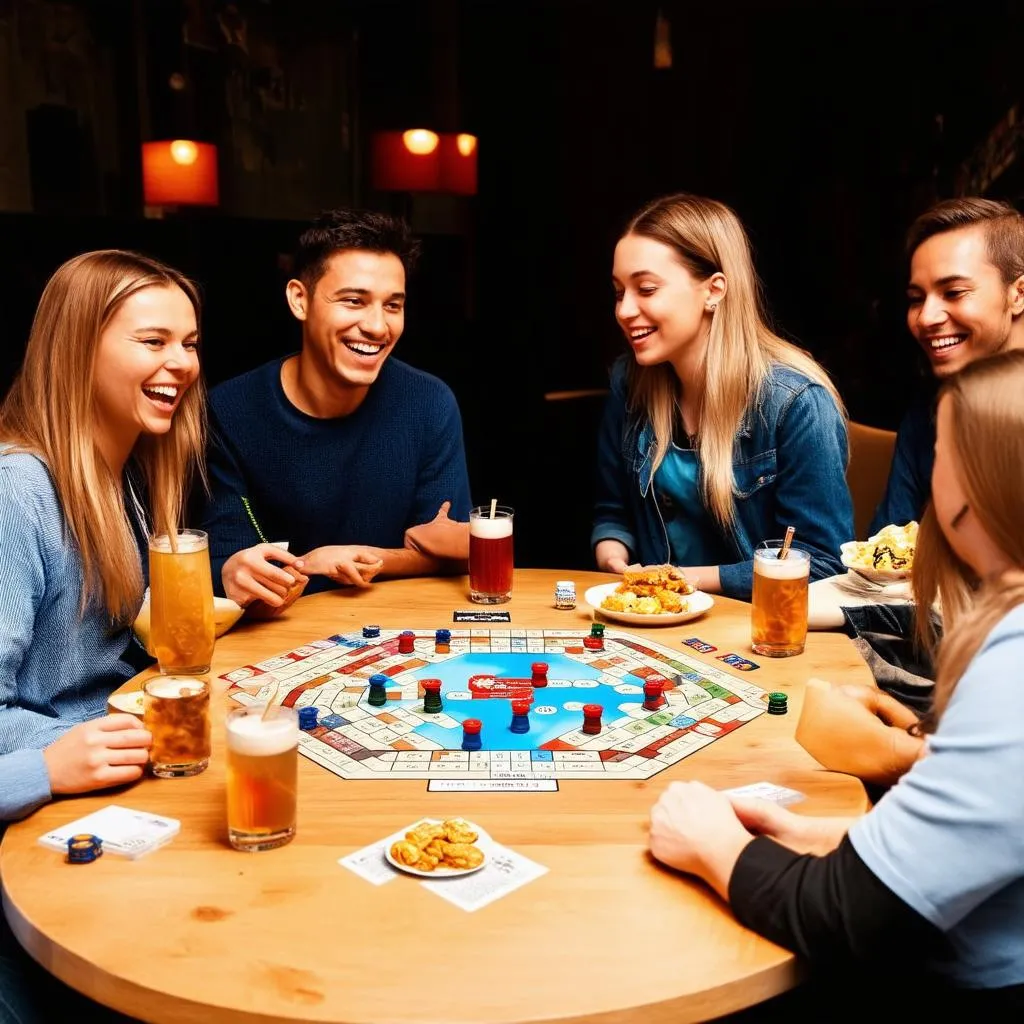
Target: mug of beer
<point>181,602</point>
<point>490,554</point>
<point>263,772</point>
<point>779,602</point>
<point>176,710</point>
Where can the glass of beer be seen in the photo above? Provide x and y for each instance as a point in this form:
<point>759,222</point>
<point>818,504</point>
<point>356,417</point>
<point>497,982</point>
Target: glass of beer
<point>490,554</point>
<point>263,770</point>
<point>779,602</point>
<point>181,602</point>
<point>176,710</point>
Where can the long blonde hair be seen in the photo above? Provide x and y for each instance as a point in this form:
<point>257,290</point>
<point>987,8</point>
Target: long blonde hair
<point>50,412</point>
<point>987,419</point>
<point>707,238</point>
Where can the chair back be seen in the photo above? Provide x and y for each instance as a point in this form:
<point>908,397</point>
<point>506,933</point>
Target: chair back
<point>871,451</point>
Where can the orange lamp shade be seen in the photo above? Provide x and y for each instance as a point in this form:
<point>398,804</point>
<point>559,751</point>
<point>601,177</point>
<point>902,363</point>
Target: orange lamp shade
<point>405,161</point>
<point>458,164</point>
<point>179,172</point>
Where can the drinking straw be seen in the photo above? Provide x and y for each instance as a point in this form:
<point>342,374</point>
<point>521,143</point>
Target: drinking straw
<point>494,505</point>
<point>270,700</point>
<point>786,542</point>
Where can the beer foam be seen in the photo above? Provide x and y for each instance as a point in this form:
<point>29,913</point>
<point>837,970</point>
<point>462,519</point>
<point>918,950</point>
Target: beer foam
<point>491,529</point>
<point>251,735</point>
<point>185,544</point>
<point>171,686</point>
<point>790,568</point>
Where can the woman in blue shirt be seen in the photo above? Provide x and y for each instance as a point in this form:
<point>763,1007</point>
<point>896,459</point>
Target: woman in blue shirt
<point>99,435</point>
<point>933,876</point>
<point>717,434</point>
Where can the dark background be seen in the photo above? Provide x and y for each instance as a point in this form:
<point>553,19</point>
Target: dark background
<point>827,125</point>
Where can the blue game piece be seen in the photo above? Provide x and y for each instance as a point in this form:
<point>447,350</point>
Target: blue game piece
<point>84,848</point>
<point>307,718</point>
<point>520,716</point>
<point>471,734</point>
<point>378,696</point>
<point>442,636</point>
<point>369,632</point>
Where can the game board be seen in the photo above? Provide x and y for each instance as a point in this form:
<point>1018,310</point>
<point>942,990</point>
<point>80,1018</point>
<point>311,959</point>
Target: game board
<point>399,741</point>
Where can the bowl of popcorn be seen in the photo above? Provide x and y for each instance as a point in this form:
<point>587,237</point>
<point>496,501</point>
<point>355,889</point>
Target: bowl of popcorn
<point>885,557</point>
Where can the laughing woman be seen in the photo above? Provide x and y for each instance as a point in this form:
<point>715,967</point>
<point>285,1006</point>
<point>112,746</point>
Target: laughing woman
<point>99,435</point>
<point>717,434</point>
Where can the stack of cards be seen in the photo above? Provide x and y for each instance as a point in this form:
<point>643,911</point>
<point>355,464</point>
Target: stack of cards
<point>123,831</point>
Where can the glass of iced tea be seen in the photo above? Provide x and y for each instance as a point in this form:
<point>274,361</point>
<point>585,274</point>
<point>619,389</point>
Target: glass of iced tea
<point>779,603</point>
<point>263,770</point>
<point>490,554</point>
<point>181,602</point>
<point>176,710</point>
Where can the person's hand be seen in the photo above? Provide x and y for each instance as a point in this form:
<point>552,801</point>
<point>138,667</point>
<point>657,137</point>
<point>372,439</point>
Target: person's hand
<point>109,751</point>
<point>798,833</point>
<point>694,828</point>
<point>612,556</point>
<point>859,730</point>
<point>347,564</point>
<point>264,572</point>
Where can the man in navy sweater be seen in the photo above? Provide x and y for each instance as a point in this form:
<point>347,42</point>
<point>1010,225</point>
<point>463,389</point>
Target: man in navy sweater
<point>965,301</point>
<point>336,450</point>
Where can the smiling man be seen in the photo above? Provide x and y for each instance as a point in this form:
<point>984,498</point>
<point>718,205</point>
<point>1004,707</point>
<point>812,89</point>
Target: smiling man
<point>338,449</point>
<point>965,302</point>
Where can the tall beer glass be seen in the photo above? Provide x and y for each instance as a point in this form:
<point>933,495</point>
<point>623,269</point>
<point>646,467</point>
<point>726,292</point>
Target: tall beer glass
<point>181,603</point>
<point>490,554</point>
<point>263,755</point>
<point>779,602</point>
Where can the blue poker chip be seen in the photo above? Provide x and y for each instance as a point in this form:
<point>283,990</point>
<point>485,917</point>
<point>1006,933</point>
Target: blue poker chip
<point>371,631</point>
<point>84,848</point>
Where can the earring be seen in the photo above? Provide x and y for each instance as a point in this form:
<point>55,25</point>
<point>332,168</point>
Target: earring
<point>711,307</point>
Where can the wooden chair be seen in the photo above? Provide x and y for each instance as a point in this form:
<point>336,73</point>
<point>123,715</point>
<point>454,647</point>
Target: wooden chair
<point>871,451</point>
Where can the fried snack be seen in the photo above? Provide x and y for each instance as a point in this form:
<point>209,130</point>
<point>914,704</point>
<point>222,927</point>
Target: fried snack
<point>892,548</point>
<point>457,830</point>
<point>462,856</point>
<point>406,853</point>
<point>650,590</point>
<point>424,834</point>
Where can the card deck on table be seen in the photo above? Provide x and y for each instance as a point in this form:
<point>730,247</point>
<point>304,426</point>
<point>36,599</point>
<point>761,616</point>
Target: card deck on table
<point>472,615</point>
<point>700,645</point>
<point>123,831</point>
<point>768,791</point>
<point>743,664</point>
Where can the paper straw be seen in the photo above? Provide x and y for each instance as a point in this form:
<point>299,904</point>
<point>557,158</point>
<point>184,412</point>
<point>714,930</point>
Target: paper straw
<point>494,505</point>
<point>786,542</point>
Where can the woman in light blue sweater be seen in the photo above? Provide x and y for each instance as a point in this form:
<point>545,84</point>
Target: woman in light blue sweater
<point>99,435</point>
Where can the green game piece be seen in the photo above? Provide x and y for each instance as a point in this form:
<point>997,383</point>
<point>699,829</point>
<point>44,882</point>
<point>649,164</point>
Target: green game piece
<point>778,695</point>
<point>597,629</point>
<point>378,695</point>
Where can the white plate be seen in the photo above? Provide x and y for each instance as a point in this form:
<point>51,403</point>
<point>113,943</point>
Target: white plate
<point>438,872</point>
<point>697,604</point>
<point>128,702</point>
<point>847,554</point>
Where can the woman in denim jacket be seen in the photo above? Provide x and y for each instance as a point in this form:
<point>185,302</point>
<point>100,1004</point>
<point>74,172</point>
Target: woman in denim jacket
<point>717,434</point>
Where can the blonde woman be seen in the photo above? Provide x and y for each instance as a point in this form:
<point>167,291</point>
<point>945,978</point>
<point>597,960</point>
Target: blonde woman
<point>934,874</point>
<point>98,435</point>
<point>717,434</point>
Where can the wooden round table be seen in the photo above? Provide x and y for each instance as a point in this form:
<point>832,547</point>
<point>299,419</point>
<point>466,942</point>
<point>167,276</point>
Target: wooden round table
<point>198,932</point>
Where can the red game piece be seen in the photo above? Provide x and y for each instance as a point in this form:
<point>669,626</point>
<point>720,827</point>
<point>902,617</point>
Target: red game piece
<point>432,704</point>
<point>654,696</point>
<point>540,674</point>
<point>406,642</point>
<point>592,718</point>
<point>593,643</point>
<point>471,734</point>
<point>520,715</point>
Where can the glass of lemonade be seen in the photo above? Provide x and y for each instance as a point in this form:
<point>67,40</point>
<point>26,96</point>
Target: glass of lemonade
<point>263,755</point>
<point>490,554</point>
<point>779,602</point>
<point>176,710</point>
<point>181,602</point>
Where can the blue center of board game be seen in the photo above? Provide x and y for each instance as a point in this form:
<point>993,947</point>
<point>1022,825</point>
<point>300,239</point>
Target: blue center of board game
<point>557,708</point>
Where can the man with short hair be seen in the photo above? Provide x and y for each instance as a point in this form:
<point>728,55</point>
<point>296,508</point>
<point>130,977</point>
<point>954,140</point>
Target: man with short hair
<point>337,450</point>
<point>965,302</point>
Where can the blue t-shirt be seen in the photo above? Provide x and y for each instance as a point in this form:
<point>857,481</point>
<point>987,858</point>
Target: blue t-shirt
<point>693,534</point>
<point>910,477</point>
<point>948,838</point>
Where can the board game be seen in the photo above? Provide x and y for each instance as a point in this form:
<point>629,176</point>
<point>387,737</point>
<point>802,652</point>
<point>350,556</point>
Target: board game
<point>514,703</point>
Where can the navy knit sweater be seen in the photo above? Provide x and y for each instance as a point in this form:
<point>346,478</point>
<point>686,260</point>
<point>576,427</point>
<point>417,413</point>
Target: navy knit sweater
<point>364,478</point>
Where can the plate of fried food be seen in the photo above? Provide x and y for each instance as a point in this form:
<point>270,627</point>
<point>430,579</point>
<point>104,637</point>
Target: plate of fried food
<point>438,849</point>
<point>650,595</point>
<point>884,557</point>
